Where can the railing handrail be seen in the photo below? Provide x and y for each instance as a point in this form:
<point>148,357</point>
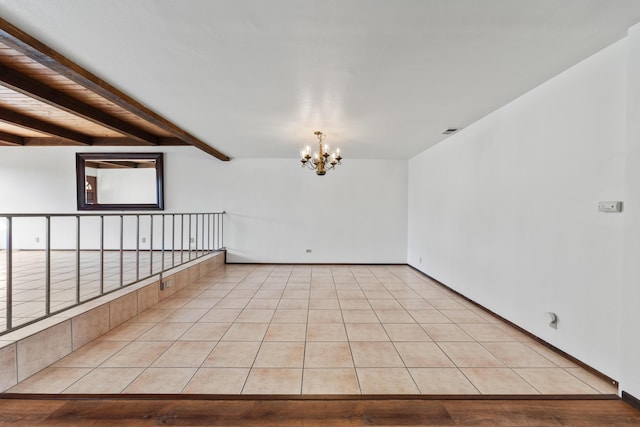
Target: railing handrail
<point>208,238</point>
<point>110,213</point>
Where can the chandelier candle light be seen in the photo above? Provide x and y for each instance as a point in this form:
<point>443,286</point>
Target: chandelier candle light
<point>321,161</point>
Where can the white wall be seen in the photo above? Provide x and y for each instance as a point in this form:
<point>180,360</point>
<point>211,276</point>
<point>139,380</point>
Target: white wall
<point>505,211</point>
<point>276,210</point>
<point>630,295</point>
<point>127,186</point>
<point>37,178</point>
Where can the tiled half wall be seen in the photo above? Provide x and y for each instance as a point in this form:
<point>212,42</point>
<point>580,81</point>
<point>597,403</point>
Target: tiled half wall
<point>31,349</point>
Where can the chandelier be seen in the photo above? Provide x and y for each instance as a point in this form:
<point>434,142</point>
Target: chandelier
<point>321,161</point>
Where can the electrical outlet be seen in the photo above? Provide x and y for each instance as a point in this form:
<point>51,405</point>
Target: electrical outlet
<point>308,251</point>
<point>37,240</point>
<point>610,206</point>
<point>420,260</point>
<point>143,240</point>
<point>192,240</point>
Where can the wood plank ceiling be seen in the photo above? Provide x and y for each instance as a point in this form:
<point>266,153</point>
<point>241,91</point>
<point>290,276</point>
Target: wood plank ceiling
<point>47,100</point>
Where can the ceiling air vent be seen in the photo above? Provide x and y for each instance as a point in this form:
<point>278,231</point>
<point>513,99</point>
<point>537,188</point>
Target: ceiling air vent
<point>450,131</point>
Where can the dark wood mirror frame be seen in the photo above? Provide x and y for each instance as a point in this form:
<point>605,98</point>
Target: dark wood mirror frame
<point>81,164</point>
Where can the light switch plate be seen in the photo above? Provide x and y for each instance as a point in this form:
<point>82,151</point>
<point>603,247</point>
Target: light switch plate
<point>610,206</point>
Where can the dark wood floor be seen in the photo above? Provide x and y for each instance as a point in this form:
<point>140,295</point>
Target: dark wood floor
<point>315,412</point>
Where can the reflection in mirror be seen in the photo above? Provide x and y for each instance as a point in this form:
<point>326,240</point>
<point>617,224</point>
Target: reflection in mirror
<point>119,181</point>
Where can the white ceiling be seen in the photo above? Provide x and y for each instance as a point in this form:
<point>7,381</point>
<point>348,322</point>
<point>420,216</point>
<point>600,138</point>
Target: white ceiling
<point>382,78</point>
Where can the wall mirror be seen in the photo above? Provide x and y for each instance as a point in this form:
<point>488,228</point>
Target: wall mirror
<point>119,181</point>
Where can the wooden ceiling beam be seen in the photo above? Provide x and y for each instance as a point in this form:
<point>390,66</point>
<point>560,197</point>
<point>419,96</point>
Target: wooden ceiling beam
<point>10,139</point>
<point>41,53</point>
<point>28,122</point>
<point>110,140</point>
<point>35,89</point>
<point>42,141</point>
<point>162,141</point>
<point>99,141</point>
<point>171,140</point>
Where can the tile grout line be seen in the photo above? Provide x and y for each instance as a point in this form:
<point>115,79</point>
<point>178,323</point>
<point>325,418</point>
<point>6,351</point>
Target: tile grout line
<point>344,328</point>
<point>259,347</point>
<point>525,380</point>
<point>178,339</point>
<point>306,330</point>
<point>347,333</point>
<point>580,379</point>
<point>467,378</point>
<point>396,348</point>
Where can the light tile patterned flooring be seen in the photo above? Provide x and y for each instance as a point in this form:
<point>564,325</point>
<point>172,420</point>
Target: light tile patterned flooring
<point>28,277</point>
<point>280,329</point>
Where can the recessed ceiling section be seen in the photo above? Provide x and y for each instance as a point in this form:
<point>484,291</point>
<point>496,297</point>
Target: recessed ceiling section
<point>45,99</point>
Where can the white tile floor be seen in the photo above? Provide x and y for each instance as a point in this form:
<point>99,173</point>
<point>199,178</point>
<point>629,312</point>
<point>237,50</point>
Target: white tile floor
<point>28,278</point>
<point>281,329</point>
